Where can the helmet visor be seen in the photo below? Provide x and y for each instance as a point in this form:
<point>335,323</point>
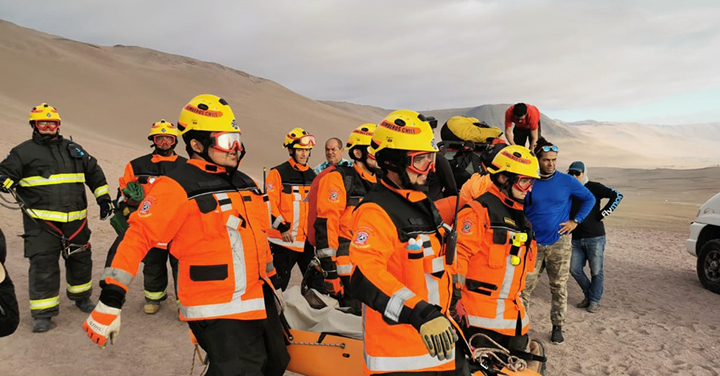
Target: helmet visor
<point>226,141</point>
<point>47,124</point>
<point>164,140</point>
<point>421,162</point>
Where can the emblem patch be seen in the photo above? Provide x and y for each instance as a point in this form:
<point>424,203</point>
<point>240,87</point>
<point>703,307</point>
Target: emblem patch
<point>334,195</point>
<point>145,206</point>
<point>467,227</point>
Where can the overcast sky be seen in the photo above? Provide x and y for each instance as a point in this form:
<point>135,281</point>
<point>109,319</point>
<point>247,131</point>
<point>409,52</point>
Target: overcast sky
<point>651,61</point>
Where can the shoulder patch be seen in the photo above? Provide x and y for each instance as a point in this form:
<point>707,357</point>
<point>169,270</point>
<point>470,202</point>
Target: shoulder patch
<point>362,236</point>
<point>145,206</point>
<point>468,226</point>
<point>270,187</point>
<point>334,194</point>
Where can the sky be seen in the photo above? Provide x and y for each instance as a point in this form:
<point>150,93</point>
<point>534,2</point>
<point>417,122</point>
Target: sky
<point>650,61</point>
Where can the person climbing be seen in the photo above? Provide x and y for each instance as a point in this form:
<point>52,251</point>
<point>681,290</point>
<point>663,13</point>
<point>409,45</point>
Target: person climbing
<point>216,218</point>
<point>526,119</point>
<point>333,197</point>
<point>140,174</point>
<point>401,272</point>
<point>48,174</point>
<point>496,250</point>
<point>287,186</point>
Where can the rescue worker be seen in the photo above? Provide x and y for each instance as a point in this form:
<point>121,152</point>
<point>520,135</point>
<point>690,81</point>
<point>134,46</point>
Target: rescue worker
<point>496,250</point>
<point>9,313</point>
<point>141,173</point>
<point>287,186</point>
<point>339,190</point>
<point>216,218</point>
<point>48,173</point>
<point>401,273</point>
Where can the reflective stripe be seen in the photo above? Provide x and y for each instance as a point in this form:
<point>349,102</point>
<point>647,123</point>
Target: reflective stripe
<point>396,303</point>
<point>270,266</point>
<point>278,221</point>
<point>405,363</point>
<point>427,245</point>
<point>326,252</point>
<point>344,269</point>
<point>155,295</point>
<point>222,309</point>
<point>223,201</point>
<point>57,216</point>
<point>499,321</point>
<point>438,264</point>
<point>79,288</point>
<point>296,212</point>
<point>507,279</point>
<point>36,305</point>
<point>280,242</point>
<point>117,274</point>
<point>433,288</point>
<point>36,181</point>
<point>459,278</point>
<point>102,190</point>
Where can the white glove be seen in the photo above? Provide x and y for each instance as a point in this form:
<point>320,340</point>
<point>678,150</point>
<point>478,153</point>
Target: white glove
<point>103,324</point>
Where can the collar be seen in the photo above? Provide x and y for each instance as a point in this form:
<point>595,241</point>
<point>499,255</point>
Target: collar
<point>43,140</point>
<point>297,166</point>
<point>210,168</point>
<point>548,177</point>
<point>368,176</point>
<point>408,194</point>
<point>512,204</point>
<point>156,158</point>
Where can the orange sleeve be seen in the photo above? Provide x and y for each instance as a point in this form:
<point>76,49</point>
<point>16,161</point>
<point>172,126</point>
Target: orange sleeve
<point>160,216</point>
<point>470,234</point>
<point>331,203</point>
<point>274,187</point>
<point>128,176</point>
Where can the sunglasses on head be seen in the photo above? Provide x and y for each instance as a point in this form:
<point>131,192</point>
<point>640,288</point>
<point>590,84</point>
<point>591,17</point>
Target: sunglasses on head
<point>549,148</point>
<point>574,173</point>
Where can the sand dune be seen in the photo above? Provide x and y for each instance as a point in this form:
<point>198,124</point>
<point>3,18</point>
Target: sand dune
<point>656,318</point>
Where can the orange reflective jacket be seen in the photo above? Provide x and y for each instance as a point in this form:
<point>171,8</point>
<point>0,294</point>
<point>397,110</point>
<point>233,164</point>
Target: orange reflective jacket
<point>287,186</point>
<point>491,268</point>
<point>338,192</point>
<point>400,275</point>
<point>145,169</point>
<point>216,229</point>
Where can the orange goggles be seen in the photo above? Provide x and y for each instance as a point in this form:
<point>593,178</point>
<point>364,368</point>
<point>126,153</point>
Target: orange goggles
<point>524,183</point>
<point>47,124</point>
<point>226,141</point>
<point>307,140</point>
<point>160,139</point>
<point>421,162</point>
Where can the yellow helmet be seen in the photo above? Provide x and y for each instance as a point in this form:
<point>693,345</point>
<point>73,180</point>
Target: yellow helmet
<point>44,112</point>
<point>361,136</point>
<point>404,130</point>
<point>299,138</point>
<point>208,113</point>
<point>517,160</point>
<point>162,127</point>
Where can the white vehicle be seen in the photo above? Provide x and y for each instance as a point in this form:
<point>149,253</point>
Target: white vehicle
<point>704,243</point>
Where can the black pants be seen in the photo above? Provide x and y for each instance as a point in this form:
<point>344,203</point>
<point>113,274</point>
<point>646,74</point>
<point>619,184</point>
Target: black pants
<point>285,259</point>
<point>461,367</point>
<point>522,136</point>
<point>244,347</point>
<point>44,249</point>
<point>9,313</point>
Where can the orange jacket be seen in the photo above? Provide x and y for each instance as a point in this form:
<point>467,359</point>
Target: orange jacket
<point>145,169</point>
<point>401,275</point>
<point>491,284</point>
<point>217,229</point>
<point>472,189</point>
<point>338,193</point>
<point>287,186</point>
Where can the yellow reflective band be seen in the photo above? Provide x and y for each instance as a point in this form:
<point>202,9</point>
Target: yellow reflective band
<point>102,190</point>
<point>36,181</point>
<point>79,288</point>
<point>36,305</point>
<point>56,216</point>
<point>155,295</point>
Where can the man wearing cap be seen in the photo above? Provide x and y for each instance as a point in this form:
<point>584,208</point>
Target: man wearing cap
<point>588,239</point>
<point>547,207</point>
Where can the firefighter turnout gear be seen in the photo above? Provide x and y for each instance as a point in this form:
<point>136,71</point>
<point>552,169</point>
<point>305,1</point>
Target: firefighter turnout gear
<point>287,187</point>
<point>402,276</point>
<point>51,173</point>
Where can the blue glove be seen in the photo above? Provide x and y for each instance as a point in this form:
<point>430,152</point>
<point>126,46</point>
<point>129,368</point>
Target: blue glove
<point>106,209</point>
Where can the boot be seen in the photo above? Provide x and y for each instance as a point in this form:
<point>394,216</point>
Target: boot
<point>151,307</point>
<point>593,307</point>
<point>86,305</point>
<point>536,347</point>
<point>41,325</point>
<point>557,336</point>
<point>584,304</point>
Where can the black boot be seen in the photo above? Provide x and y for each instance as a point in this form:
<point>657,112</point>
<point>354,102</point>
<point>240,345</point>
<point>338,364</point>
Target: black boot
<point>557,336</point>
<point>41,324</point>
<point>86,305</point>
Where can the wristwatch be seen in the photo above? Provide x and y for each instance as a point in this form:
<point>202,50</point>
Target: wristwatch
<point>576,221</point>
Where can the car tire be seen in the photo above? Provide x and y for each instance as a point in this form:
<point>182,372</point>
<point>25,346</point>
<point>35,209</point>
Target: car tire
<point>708,265</point>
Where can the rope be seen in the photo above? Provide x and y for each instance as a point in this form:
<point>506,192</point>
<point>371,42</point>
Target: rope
<point>196,351</point>
<point>9,204</point>
<point>513,363</point>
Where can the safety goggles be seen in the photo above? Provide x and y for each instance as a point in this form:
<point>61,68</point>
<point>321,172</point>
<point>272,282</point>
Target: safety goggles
<point>163,140</point>
<point>305,141</point>
<point>47,124</point>
<point>421,162</point>
<point>524,183</point>
<point>549,148</point>
<point>226,141</point>
<point>574,173</point>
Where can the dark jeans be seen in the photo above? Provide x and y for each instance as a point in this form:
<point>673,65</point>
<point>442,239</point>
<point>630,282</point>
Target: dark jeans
<point>285,259</point>
<point>590,251</point>
<point>244,347</point>
<point>522,136</point>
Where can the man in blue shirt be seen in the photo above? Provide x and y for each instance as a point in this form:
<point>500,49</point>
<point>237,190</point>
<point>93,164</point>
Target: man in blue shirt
<point>548,209</point>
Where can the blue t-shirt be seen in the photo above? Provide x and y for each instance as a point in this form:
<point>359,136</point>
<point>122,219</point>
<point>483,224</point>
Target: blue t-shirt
<point>548,205</point>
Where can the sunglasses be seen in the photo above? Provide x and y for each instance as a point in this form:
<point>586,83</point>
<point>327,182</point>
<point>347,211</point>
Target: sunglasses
<point>549,148</point>
<point>574,173</point>
<point>47,124</point>
<point>226,142</point>
<point>421,162</point>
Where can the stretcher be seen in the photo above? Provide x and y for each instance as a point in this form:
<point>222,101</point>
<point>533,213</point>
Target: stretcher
<point>324,354</point>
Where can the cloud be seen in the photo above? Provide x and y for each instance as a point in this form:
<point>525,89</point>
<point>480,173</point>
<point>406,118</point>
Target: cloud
<point>560,55</point>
